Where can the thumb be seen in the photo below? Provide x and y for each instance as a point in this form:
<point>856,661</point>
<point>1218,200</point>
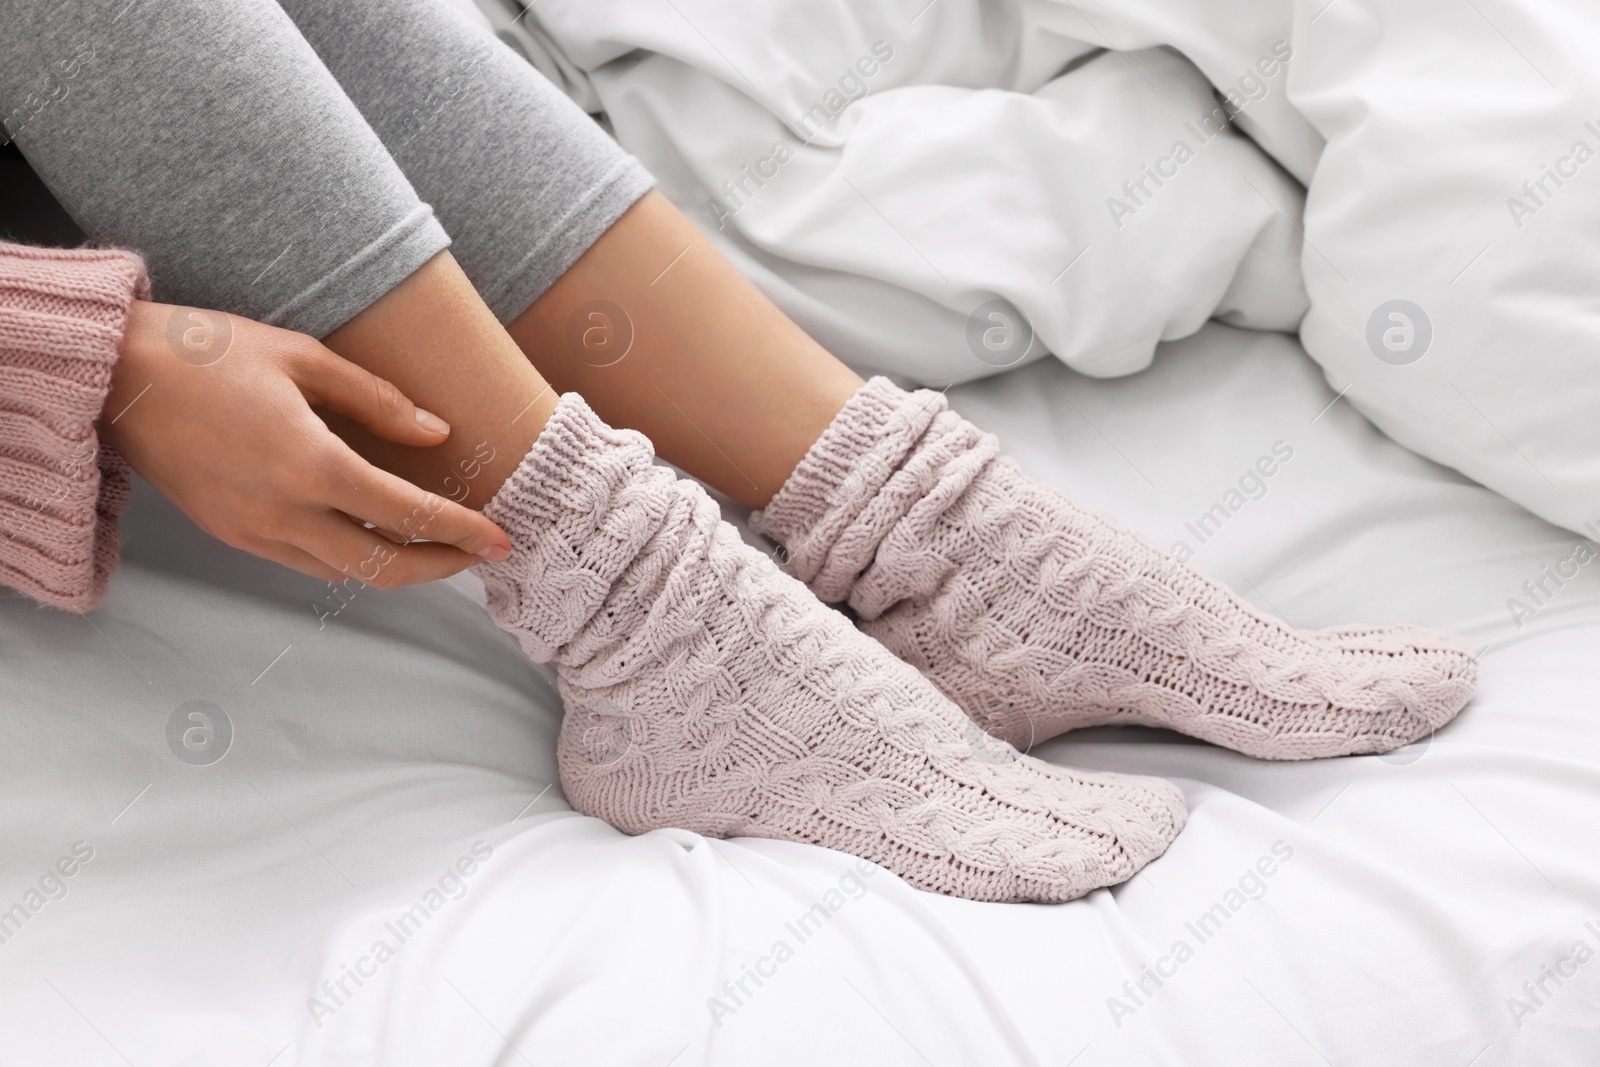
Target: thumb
<point>328,380</point>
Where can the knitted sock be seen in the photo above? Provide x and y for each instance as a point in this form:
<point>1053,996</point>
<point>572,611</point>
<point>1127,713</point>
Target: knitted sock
<point>1038,616</point>
<point>707,690</point>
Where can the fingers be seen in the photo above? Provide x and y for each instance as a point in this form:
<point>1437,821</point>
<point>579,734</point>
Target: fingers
<point>353,552</point>
<point>342,557</point>
<point>401,513</point>
<point>289,556</point>
<point>369,494</point>
<point>331,381</point>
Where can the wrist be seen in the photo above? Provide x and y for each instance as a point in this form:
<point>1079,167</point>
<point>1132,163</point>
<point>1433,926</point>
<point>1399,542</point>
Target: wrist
<point>130,374</point>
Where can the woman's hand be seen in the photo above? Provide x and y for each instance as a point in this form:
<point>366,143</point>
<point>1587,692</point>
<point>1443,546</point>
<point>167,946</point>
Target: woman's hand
<point>215,412</point>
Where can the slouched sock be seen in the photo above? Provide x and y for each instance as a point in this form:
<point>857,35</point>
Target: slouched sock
<point>704,689</point>
<point>1039,616</point>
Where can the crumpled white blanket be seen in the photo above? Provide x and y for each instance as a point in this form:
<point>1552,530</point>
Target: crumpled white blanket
<point>940,188</point>
<point>944,192</point>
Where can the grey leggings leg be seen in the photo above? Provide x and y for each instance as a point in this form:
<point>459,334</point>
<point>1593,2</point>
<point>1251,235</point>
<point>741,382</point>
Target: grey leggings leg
<point>522,179</point>
<point>267,159</point>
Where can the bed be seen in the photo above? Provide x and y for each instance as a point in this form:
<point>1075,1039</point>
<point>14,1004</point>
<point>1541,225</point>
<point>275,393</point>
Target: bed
<point>256,783</point>
<point>248,818</point>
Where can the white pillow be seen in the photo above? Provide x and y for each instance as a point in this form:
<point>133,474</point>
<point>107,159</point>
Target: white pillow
<point>1451,226</point>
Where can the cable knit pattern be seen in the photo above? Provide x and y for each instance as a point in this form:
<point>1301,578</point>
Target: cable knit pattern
<point>705,689</point>
<point>1038,616</point>
<point>61,492</point>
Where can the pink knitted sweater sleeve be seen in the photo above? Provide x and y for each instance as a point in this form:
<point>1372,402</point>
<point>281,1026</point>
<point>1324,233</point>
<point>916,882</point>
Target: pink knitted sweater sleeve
<point>62,314</point>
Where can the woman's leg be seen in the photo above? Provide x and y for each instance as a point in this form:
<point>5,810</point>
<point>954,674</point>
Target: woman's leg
<point>703,688</point>
<point>212,139</point>
<point>534,195</point>
<point>433,338</point>
<point>725,384</point>
<point>1034,615</point>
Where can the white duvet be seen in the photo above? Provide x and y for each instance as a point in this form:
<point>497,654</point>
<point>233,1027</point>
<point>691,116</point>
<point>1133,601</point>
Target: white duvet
<point>379,869</point>
<point>940,187</point>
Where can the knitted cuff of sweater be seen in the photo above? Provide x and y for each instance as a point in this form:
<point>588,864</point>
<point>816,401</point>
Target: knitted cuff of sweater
<point>886,452</point>
<point>62,314</point>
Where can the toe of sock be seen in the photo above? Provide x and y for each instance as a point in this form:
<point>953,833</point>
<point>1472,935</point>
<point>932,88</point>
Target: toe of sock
<point>1437,665</point>
<point>1112,826</point>
<point>1147,813</point>
<point>1427,677</point>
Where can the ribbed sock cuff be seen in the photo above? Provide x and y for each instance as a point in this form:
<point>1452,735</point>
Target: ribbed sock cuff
<point>578,511</point>
<point>843,471</point>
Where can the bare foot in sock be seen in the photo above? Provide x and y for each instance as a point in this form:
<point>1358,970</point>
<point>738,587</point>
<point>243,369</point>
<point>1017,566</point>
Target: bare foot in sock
<point>1038,616</point>
<point>705,689</point>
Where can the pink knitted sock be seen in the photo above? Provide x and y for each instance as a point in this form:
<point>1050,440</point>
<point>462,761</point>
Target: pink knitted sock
<point>1039,616</point>
<point>705,689</point>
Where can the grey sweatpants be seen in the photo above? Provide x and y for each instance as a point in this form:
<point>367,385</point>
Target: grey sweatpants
<point>293,160</point>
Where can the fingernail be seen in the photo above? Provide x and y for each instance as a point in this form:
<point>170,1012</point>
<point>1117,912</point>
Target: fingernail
<point>429,421</point>
<point>495,553</point>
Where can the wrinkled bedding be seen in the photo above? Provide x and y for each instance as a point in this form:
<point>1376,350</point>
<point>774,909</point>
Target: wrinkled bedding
<point>395,754</point>
<point>1404,181</point>
<point>247,820</point>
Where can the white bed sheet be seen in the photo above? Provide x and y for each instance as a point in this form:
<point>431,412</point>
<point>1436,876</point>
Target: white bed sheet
<point>1420,890</point>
